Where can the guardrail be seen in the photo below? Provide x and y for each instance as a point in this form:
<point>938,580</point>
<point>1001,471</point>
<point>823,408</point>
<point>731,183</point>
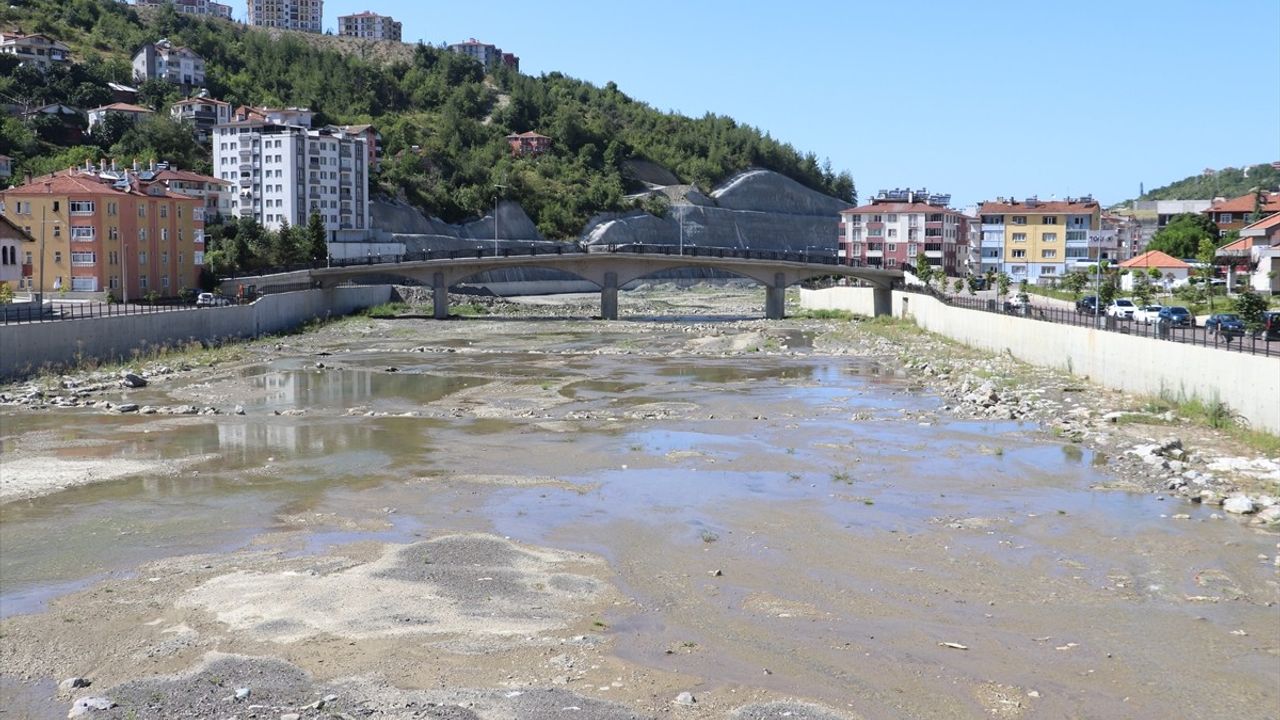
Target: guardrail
<point>1191,334</point>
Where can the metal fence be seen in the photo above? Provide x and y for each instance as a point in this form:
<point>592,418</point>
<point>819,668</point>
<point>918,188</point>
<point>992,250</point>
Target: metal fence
<point>56,312</point>
<point>1192,334</point>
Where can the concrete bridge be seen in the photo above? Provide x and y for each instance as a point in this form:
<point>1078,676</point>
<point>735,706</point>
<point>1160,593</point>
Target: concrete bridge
<point>609,268</point>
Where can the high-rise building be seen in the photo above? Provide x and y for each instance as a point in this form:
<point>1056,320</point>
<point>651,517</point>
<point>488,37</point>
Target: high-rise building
<point>281,173</point>
<point>304,15</point>
<point>369,25</point>
<point>98,229</point>
<point>1037,240</point>
<point>898,225</point>
<point>490,56</point>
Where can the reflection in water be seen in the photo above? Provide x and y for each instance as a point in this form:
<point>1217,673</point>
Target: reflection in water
<point>344,388</point>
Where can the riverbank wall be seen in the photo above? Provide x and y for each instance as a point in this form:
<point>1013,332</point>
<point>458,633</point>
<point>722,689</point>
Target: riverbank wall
<point>1248,384</point>
<point>29,348</point>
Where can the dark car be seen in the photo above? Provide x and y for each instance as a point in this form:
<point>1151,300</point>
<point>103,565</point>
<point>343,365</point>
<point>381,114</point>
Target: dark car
<point>1227,325</point>
<point>1270,325</point>
<point>1088,305</point>
<point>1177,316</point>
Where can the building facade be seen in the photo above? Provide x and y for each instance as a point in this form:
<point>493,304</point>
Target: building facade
<point>528,144</point>
<point>1038,241</point>
<point>898,225</point>
<point>301,15</point>
<point>489,56</point>
<point>41,51</point>
<point>369,25</point>
<point>133,112</point>
<point>15,245</point>
<point>282,173</point>
<point>203,113</point>
<point>191,7</point>
<point>97,231</point>
<point>164,61</point>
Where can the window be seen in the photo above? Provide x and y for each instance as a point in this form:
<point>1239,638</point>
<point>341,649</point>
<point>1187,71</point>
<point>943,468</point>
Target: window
<point>1077,235</point>
<point>142,211</point>
<point>1049,237</point>
<point>164,282</point>
<point>114,282</point>
<point>164,234</point>
<point>142,281</point>
<point>1049,270</point>
<point>1019,254</point>
<point>875,232</point>
<point>84,284</point>
<point>1048,254</point>
<point>112,208</point>
<point>84,258</point>
<point>893,232</point>
<point>81,234</point>
<point>142,257</point>
<point>142,235</point>
<point>891,217</point>
<point>893,247</point>
<point>1019,219</point>
<point>81,207</point>
<point>197,257</point>
<point>1224,217</point>
<point>877,218</point>
<point>1019,237</point>
<point>1049,220</point>
<point>24,207</point>
<point>57,231</point>
<point>56,204</point>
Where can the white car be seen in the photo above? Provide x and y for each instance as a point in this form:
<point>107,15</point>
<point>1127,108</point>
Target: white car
<point>1121,309</point>
<point>1147,314</point>
<point>205,299</point>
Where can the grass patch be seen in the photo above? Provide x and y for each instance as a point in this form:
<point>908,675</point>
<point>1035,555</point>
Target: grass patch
<point>1213,414</point>
<point>708,536</point>
<point>823,315</point>
<point>387,310</point>
<point>468,310</point>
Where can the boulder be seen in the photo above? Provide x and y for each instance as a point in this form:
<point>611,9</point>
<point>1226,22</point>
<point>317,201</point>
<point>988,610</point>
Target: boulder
<point>130,380</point>
<point>1238,504</point>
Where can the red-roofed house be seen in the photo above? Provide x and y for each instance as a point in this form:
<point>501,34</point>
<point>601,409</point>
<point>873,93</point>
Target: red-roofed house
<point>1172,270</point>
<point>1234,214</point>
<point>898,225</point>
<point>528,143</point>
<point>1255,256</point>
<point>133,112</point>
<point>97,231</point>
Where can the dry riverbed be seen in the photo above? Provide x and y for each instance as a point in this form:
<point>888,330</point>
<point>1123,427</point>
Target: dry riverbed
<point>537,515</point>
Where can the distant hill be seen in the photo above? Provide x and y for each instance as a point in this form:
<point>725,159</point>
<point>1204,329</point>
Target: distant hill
<point>443,120</point>
<point>1228,183</point>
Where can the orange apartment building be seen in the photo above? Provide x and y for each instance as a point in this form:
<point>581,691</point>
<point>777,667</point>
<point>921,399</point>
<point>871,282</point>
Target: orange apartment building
<point>99,232</point>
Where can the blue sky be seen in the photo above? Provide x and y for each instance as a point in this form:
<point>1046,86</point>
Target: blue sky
<point>977,99</point>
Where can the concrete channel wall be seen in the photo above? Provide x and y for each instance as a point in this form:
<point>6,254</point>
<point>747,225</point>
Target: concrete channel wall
<point>30,347</point>
<point>1248,384</point>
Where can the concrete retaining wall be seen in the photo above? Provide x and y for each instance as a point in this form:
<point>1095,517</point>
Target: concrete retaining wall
<point>1248,384</point>
<point>29,347</point>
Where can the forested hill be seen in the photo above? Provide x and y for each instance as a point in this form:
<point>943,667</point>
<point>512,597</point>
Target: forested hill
<point>443,121</point>
<point>1228,183</point>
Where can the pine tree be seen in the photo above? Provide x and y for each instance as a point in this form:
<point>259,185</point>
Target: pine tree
<point>318,249</point>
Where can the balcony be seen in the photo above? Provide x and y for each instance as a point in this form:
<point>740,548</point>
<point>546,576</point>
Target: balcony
<point>875,253</point>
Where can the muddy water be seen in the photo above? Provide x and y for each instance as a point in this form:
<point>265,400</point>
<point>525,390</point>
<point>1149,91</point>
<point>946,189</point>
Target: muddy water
<point>805,525</point>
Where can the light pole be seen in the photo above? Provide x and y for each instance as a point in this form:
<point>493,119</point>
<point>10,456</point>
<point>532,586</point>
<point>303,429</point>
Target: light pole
<point>497,193</point>
<point>681,231</point>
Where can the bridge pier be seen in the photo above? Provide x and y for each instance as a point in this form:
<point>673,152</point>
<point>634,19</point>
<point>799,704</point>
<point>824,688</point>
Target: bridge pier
<point>440,296</point>
<point>609,297</point>
<point>775,298</point>
<point>881,301</point>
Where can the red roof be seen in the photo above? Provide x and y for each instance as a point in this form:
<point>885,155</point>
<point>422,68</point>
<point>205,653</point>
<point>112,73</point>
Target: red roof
<point>188,176</point>
<point>1265,223</point>
<point>62,183</point>
<point>1245,203</point>
<point>1155,258</point>
<point>200,100</point>
<point>1065,207</point>
<point>123,107</point>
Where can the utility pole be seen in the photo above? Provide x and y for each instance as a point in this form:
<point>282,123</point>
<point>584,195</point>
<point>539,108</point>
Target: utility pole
<point>497,194</point>
<point>44,229</point>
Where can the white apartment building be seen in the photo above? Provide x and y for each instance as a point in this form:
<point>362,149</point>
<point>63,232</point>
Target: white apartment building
<point>163,61</point>
<point>369,25</point>
<point>991,249</point>
<point>281,173</point>
<point>303,15</point>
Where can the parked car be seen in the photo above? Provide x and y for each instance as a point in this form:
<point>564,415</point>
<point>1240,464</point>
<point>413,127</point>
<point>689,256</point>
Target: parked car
<point>1270,325</point>
<point>1227,325</point>
<point>1177,316</point>
<point>1147,314</point>
<point>1087,305</point>
<point>1121,309</point>
<point>205,299</point>
<point>1018,302</point>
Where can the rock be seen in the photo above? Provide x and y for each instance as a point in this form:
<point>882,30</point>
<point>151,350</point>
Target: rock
<point>291,716</point>
<point>86,706</point>
<point>70,684</point>
<point>127,407</point>
<point>1268,516</point>
<point>130,380</point>
<point>684,698</point>
<point>239,410</point>
<point>330,698</point>
<point>243,694</point>
<point>149,410</point>
<point>1238,504</point>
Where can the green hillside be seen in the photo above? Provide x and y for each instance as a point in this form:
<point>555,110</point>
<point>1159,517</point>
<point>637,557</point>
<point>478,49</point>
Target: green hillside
<point>1227,183</point>
<point>443,121</point>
